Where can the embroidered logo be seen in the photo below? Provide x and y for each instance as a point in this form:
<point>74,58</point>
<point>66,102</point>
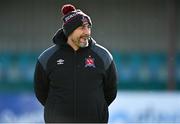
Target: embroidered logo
<point>60,62</point>
<point>70,17</point>
<point>89,62</point>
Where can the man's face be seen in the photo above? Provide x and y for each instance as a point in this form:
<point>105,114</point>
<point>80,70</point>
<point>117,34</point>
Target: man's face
<point>80,36</point>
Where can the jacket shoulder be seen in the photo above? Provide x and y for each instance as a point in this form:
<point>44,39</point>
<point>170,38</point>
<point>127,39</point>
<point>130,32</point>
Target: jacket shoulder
<point>104,54</point>
<point>45,56</point>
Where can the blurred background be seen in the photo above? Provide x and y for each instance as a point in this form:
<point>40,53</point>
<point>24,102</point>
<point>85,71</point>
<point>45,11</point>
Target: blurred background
<point>142,35</point>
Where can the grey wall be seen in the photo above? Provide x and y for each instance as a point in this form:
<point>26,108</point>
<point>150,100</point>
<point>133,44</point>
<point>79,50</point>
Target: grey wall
<point>124,25</point>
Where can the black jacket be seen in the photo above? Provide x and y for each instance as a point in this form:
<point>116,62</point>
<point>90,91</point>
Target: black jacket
<point>75,86</point>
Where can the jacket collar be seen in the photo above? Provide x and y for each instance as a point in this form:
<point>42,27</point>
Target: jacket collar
<point>59,38</point>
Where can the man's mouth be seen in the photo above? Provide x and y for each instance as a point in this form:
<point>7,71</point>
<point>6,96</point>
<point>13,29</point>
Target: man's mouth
<point>85,38</point>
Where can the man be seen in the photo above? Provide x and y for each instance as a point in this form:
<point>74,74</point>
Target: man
<point>75,79</point>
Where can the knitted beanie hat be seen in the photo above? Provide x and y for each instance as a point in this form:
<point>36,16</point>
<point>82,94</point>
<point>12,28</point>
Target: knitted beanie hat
<point>73,18</point>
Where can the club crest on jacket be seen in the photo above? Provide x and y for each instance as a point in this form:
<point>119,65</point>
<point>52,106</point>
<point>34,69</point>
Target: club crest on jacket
<point>89,62</point>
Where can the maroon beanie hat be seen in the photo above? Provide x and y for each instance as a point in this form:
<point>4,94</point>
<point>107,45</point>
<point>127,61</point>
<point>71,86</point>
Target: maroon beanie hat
<point>73,18</point>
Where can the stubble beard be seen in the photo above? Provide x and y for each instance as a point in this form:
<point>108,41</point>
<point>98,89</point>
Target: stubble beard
<point>84,43</point>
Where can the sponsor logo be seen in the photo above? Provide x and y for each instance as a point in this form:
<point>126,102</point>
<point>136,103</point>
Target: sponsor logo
<point>60,61</point>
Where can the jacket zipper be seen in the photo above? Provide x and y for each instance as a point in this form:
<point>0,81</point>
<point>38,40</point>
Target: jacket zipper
<point>75,87</point>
